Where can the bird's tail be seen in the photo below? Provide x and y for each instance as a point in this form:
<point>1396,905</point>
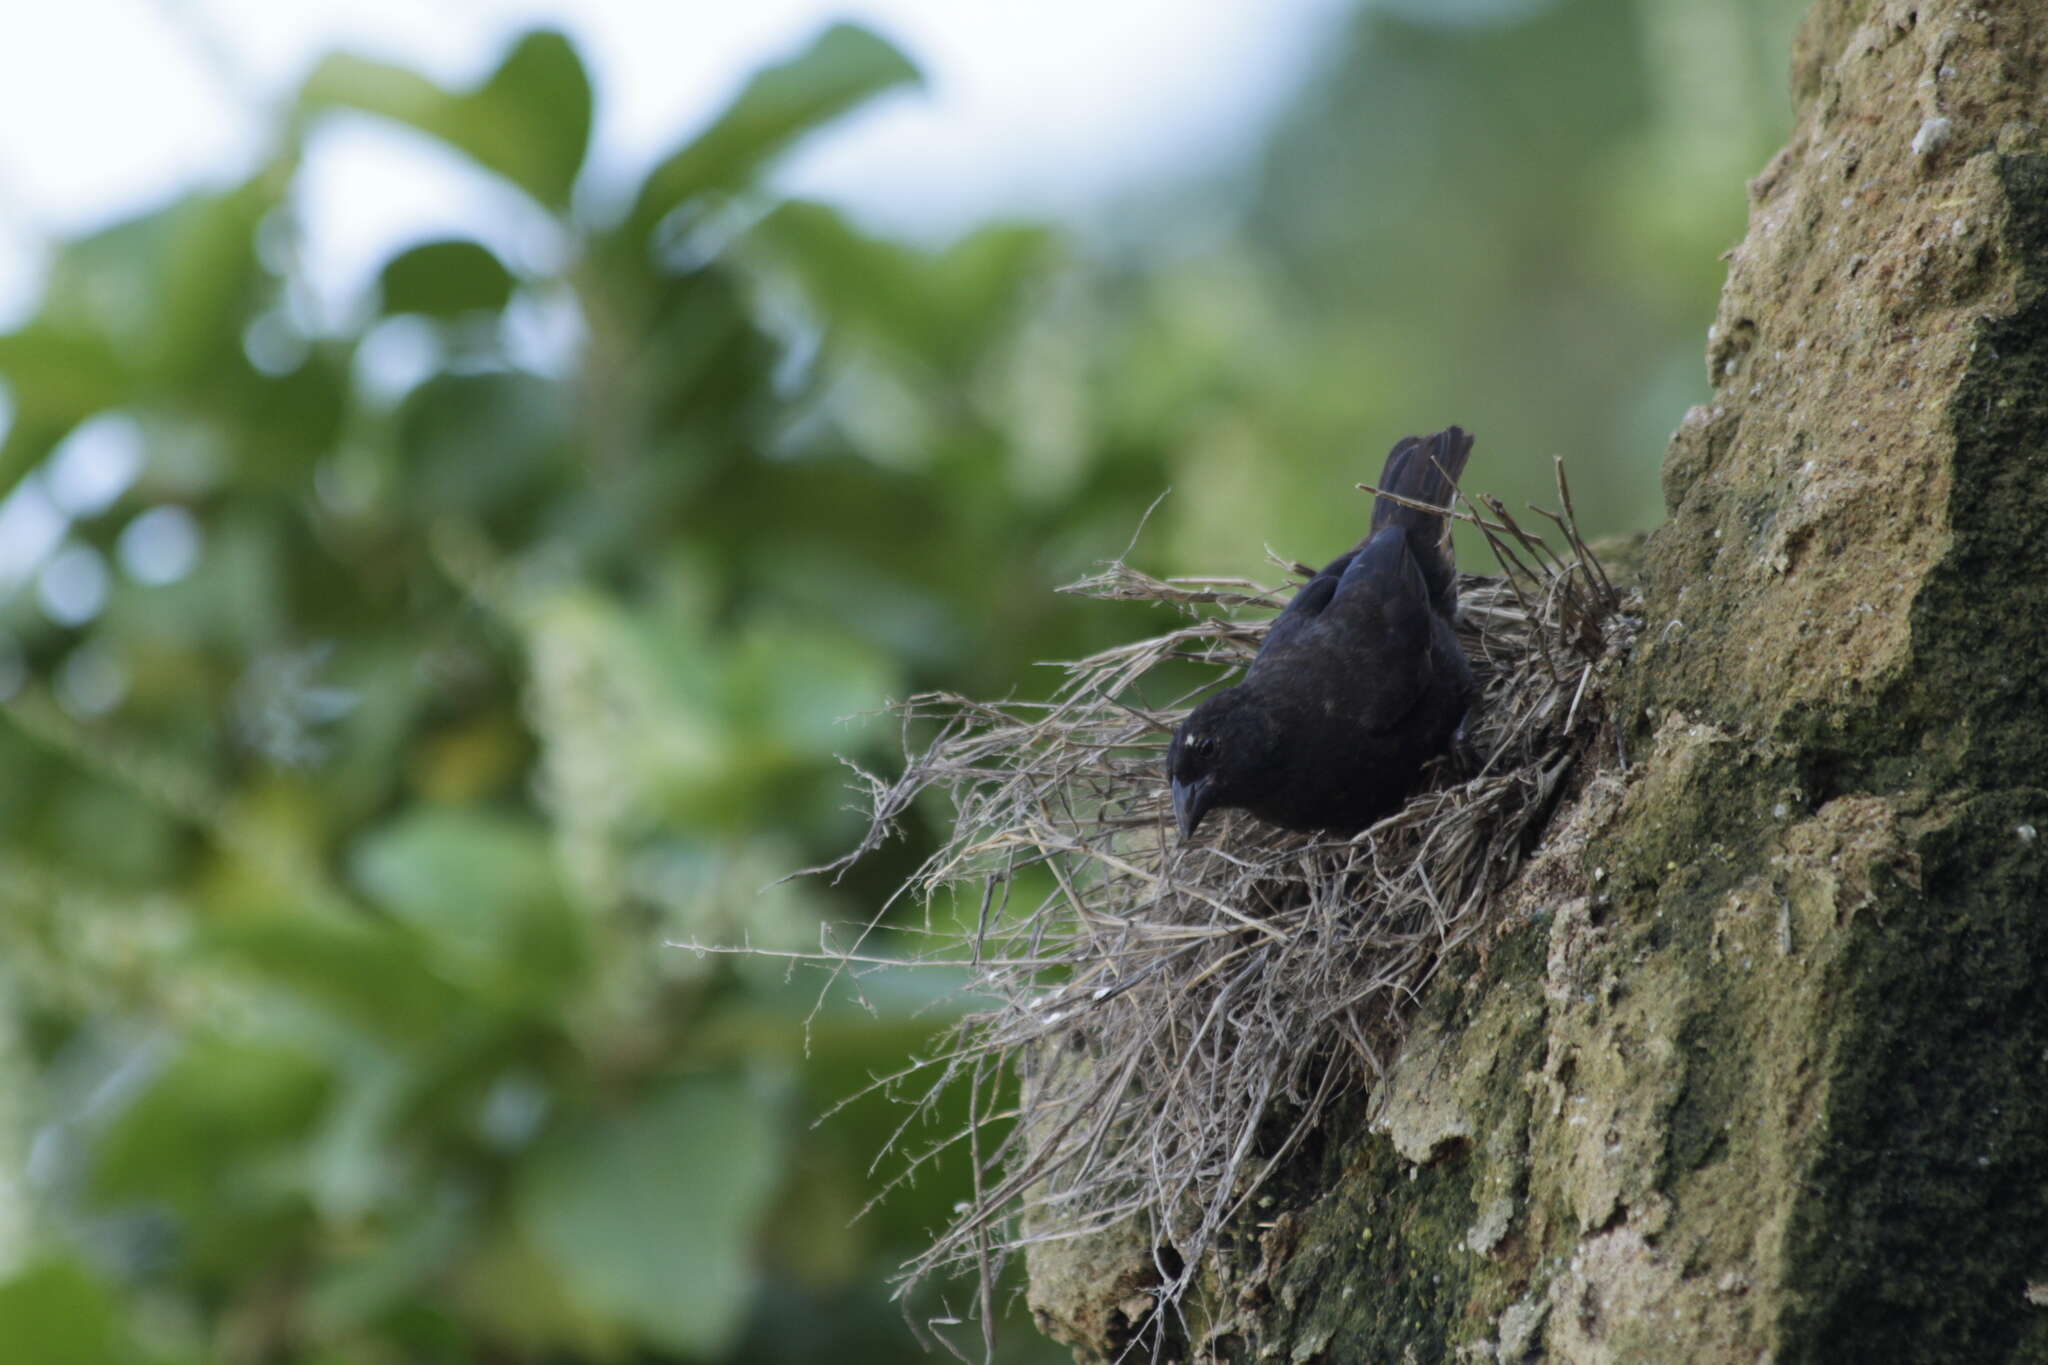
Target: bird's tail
<point>1425,469</point>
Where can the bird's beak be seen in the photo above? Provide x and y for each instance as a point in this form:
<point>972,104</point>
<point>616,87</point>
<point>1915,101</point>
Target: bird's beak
<point>1191,801</point>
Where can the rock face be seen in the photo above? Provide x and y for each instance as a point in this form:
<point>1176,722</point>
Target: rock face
<point>1756,1068</point>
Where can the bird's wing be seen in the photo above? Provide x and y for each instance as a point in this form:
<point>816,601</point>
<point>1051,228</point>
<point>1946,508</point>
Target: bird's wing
<point>1367,646</point>
<point>1381,615</point>
<point>1308,602</point>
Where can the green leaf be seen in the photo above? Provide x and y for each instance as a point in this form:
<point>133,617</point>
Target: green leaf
<point>277,426</point>
<point>376,975</point>
<point>174,287</point>
<point>844,68</point>
<point>55,1311</point>
<point>62,372</point>
<point>943,309</point>
<point>529,122</point>
<point>452,871</point>
<point>202,1125</point>
<point>481,886</point>
<point>209,280</point>
<point>794,686</point>
<point>56,376</point>
<point>650,1215</point>
<point>513,1294</point>
<point>362,1286</point>
<point>150,310</point>
<point>445,279</point>
<point>482,444</point>
<point>543,93</point>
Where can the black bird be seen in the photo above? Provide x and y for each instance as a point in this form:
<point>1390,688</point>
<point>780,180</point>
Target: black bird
<point>1360,681</point>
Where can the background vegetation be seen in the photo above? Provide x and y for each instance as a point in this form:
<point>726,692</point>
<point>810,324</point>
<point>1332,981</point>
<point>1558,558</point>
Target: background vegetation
<point>398,690</point>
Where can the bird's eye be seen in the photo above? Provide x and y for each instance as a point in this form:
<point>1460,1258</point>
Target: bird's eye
<point>1202,745</point>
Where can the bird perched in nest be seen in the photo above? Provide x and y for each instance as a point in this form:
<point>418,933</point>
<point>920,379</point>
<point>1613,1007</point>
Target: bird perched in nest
<point>1360,680</point>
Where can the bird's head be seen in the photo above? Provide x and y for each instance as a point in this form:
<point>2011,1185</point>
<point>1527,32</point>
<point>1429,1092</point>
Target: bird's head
<point>1217,757</point>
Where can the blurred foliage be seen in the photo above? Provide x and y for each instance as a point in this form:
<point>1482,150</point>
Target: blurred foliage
<point>1504,213</point>
<point>371,733</point>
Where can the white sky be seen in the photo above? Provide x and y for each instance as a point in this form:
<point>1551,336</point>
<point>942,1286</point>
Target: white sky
<point>1045,107</point>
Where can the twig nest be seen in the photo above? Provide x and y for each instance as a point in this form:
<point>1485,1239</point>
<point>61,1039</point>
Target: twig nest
<point>1181,1015</point>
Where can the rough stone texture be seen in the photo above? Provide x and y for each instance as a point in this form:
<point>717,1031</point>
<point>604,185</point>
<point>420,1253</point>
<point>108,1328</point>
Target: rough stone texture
<point>1757,1067</point>
<point>1092,1292</point>
<point>1812,502</point>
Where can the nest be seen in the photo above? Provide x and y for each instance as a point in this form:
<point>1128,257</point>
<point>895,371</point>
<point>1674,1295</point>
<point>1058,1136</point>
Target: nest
<point>1165,1022</point>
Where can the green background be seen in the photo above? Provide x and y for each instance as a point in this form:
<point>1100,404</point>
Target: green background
<point>339,875</point>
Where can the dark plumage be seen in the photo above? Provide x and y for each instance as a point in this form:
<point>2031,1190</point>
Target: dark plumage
<point>1360,681</point>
